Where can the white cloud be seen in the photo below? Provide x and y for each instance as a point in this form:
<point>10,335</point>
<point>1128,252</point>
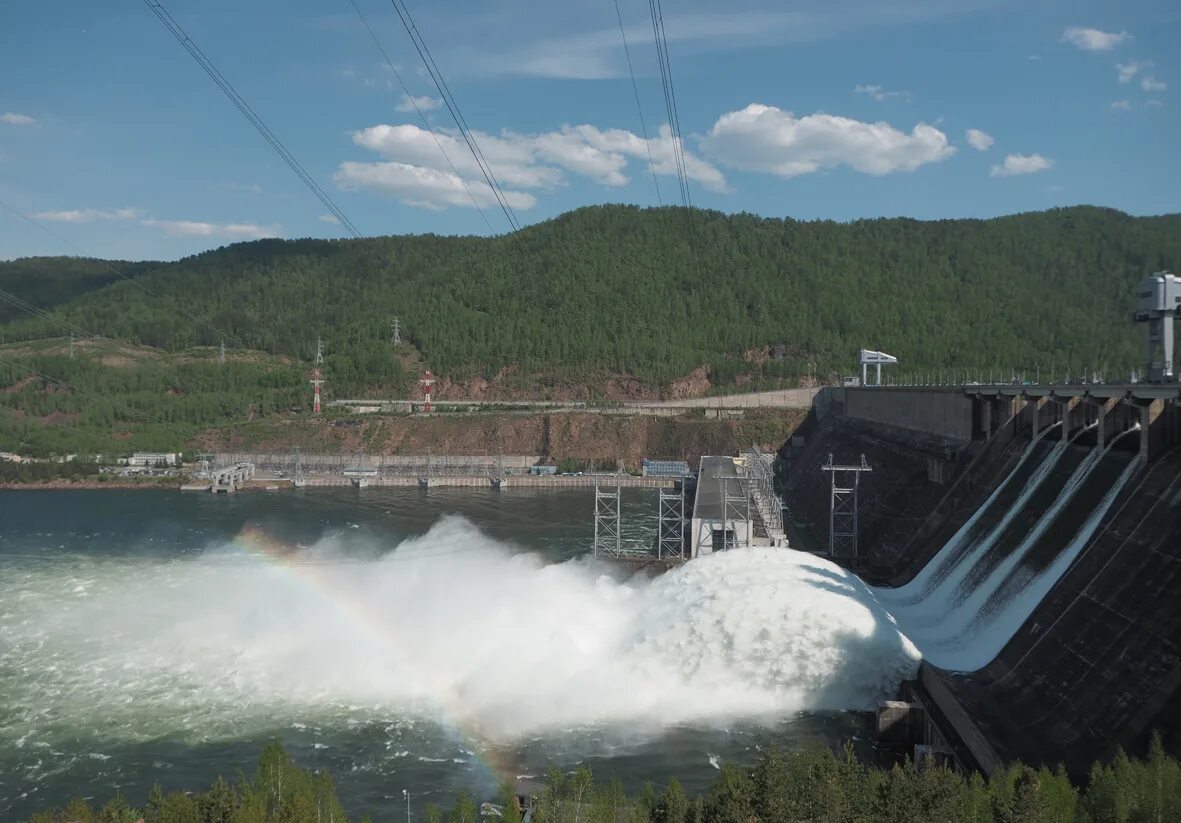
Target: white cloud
<point>88,215</point>
<point>14,119</point>
<point>1149,83</point>
<point>598,53</point>
<point>415,171</point>
<point>424,103</point>
<point>767,139</point>
<point>425,187</point>
<point>1153,104</point>
<point>1021,164</point>
<point>880,94</point>
<point>1126,71</point>
<point>1122,105</point>
<point>329,218</point>
<point>1094,39</point>
<point>981,141</point>
<point>191,228</point>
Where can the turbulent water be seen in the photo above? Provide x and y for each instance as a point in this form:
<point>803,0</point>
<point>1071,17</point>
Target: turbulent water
<point>455,638</point>
<point>402,638</point>
<point>977,592</point>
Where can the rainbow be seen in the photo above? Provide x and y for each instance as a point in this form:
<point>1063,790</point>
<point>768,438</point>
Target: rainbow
<point>498,761</point>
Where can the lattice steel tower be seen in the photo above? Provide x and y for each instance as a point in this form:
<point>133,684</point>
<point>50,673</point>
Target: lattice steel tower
<point>842,512</point>
<point>607,523</point>
<point>670,543</point>
<point>317,377</point>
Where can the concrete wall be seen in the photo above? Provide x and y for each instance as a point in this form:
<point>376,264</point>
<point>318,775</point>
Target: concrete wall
<point>942,412</point>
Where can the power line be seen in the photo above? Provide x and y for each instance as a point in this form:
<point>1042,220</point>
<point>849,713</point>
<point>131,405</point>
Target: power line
<point>39,312</point>
<point>670,99</point>
<point>674,126</point>
<point>421,116</point>
<point>639,107</point>
<point>275,143</point>
<point>53,317</point>
<point>473,145</point>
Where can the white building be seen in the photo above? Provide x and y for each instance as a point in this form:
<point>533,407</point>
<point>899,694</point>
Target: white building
<point>154,460</point>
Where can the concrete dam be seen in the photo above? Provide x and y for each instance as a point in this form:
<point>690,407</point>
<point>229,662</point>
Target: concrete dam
<point>1027,539</point>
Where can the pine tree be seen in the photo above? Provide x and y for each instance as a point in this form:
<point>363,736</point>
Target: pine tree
<point>731,799</point>
<point>673,806</point>
<point>219,804</point>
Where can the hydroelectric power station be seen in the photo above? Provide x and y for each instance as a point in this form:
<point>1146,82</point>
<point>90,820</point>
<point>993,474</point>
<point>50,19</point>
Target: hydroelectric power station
<point>1027,538</point>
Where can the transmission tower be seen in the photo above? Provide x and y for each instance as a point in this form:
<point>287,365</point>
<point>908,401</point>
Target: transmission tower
<point>842,512</point>
<point>396,332</point>
<point>607,523</point>
<point>71,345</point>
<point>221,353</point>
<point>317,379</point>
<point>427,381</point>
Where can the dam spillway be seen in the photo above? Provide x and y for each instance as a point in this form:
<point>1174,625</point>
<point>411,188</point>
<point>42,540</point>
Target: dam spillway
<point>1027,541</point>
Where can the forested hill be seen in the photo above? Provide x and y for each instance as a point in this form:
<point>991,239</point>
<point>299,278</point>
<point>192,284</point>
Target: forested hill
<point>618,290</point>
<point>45,282</point>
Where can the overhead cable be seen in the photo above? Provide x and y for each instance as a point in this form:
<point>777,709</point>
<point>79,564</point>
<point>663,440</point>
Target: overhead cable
<point>275,143</point>
<point>414,102</point>
<point>639,107</point>
<point>670,99</point>
<point>473,145</point>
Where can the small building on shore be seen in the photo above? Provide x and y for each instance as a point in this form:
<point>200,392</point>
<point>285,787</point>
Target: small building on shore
<point>153,460</point>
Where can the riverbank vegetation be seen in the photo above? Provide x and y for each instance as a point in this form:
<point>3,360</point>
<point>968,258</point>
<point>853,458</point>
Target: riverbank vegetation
<point>812,784</point>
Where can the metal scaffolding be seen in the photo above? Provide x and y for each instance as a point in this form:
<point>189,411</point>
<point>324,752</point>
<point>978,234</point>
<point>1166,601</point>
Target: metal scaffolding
<point>842,512</point>
<point>607,524</point>
<point>735,509</point>
<point>670,544</point>
<point>768,504</point>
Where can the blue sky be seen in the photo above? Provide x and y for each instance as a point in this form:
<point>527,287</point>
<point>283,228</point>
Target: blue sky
<point>113,137</point>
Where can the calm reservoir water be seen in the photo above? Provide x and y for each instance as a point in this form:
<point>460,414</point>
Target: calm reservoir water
<point>427,640</point>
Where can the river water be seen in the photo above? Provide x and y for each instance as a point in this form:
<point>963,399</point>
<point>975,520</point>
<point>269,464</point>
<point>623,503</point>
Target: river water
<point>401,638</point>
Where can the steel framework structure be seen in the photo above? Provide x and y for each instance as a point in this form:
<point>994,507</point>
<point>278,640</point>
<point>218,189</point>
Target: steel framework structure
<point>768,504</point>
<point>842,511</point>
<point>735,508</point>
<point>607,523</point>
<point>670,543</point>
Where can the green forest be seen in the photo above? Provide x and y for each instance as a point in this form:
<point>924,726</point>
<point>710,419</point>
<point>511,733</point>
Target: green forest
<point>599,293</point>
<point>811,784</point>
<point>617,289</point>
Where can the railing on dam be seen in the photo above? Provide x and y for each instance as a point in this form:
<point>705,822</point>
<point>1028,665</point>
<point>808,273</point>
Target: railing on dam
<point>965,412</point>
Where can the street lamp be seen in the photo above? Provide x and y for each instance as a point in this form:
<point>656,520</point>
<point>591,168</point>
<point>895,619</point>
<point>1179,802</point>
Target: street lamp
<point>406,794</point>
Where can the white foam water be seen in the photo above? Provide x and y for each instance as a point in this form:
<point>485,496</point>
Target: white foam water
<point>452,625</point>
